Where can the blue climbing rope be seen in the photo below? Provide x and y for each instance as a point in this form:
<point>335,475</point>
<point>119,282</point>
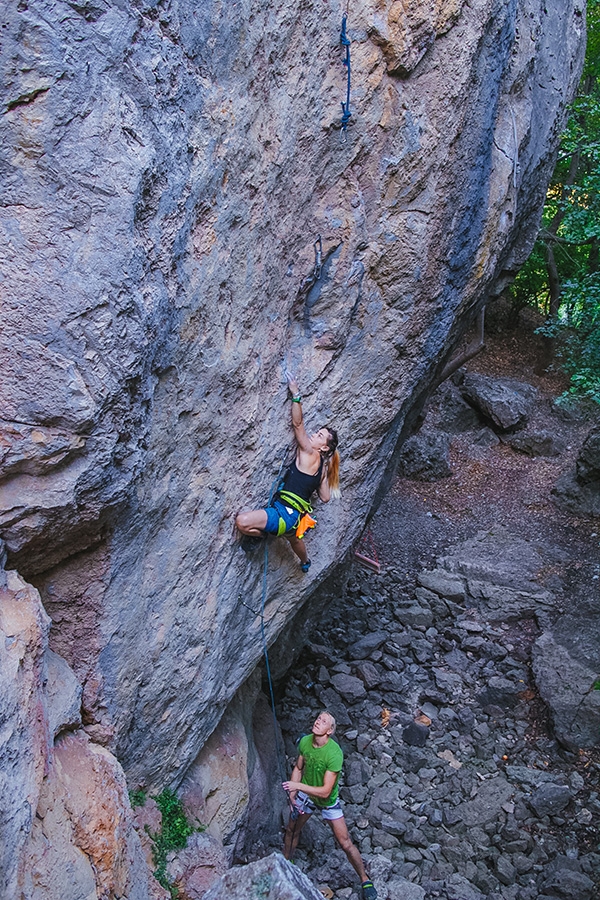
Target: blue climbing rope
<point>345,41</point>
<point>263,603</point>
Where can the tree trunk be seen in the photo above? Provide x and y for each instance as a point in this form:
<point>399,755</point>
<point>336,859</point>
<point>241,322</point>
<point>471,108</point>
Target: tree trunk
<point>593,258</point>
<point>475,347</point>
<point>553,282</point>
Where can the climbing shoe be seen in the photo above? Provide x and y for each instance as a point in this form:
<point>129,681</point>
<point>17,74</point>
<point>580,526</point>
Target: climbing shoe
<point>368,891</point>
<point>249,543</point>
<point>306,566</point>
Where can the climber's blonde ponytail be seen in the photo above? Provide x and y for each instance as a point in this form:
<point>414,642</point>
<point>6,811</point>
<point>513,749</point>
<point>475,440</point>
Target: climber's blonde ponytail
<point>333,464</point>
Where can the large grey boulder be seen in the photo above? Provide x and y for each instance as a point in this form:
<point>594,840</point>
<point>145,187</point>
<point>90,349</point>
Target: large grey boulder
<point>566,663</point>
<point>500,572</point>
<point>580,499</point>
<point>272,878</point>
<point>366,645</point>
<point>566,884</point>
<point>487,805</point>
<point>166,176</point>
<point>588,461</point>
<point>536,443</point>
<point>350,687</point>
<point>579,492</point>
<point>426,457</point>
<point>503,401</point>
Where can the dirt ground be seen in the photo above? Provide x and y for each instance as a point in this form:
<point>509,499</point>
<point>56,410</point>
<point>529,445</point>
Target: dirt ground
<point>495,485</point>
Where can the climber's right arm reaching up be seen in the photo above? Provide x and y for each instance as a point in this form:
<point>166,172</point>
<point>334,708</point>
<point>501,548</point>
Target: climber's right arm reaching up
<point>300,433</point>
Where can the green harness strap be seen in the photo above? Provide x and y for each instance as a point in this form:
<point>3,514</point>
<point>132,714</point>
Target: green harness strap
<point>296,502</point>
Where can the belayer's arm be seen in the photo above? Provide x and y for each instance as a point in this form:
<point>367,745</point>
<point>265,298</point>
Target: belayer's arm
<point>329,780</point>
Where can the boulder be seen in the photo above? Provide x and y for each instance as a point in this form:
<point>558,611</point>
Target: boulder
<point>503,401</point>
<point>536,443</point>
<point>64,694</point>
<point>402,889</point>
<point>350,687</point>
<point>370,642</point>
<point>566,884</point>
<point>450,412</point>
<point>579,492</point>
<point>271,878</point>
<point>500,571</point>
<point>426,457</point>
<point>457,887</point>
<point>550,799</point>
<point>415,734</point>
<point>588,461</point>
<point>369,674</point>
<point>487,805</point>
<point>500,692</point>
<point>577,498</point>
<point>414,615</point>
<point>529,776</point>
<point>485,438</point>
<point>198,866</point>
<point>566,662</point>
<point>443,584</point>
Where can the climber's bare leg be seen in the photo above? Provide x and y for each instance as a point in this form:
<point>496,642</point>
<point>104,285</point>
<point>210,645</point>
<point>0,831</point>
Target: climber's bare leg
<point>252,523</point>
<point>299,547</point>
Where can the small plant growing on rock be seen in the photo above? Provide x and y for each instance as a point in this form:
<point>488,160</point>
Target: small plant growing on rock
<point>137,798</point>
<point>173,835</point>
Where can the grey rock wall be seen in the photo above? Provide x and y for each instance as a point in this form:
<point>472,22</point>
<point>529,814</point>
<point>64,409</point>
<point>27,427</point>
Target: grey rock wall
<point>166,168</point>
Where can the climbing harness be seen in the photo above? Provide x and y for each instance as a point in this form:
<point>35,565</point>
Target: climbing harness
<point>366,552</point>
<point>346,114</point>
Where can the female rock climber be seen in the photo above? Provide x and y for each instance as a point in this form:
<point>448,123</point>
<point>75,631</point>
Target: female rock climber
<point>315,468</point>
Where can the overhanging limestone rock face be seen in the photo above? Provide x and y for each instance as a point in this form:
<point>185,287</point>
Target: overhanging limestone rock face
<point>167,173</point>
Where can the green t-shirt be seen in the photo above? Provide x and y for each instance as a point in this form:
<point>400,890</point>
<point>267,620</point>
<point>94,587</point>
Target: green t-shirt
<point>317,761</point>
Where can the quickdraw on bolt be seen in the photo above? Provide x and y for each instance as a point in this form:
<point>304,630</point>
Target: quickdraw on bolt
<point>346,114</point>
<point>318,258</point>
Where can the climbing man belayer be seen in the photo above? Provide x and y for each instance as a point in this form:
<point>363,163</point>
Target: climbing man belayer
<point>315,468</point>
<point>313,787</point>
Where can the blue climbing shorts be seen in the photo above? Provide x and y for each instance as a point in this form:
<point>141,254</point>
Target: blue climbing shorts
<point>281,518</point>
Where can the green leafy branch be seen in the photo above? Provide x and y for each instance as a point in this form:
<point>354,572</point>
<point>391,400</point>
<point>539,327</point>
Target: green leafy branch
<point>174,832</point>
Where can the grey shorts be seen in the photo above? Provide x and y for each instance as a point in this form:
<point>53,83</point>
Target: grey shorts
<point>307,807</point>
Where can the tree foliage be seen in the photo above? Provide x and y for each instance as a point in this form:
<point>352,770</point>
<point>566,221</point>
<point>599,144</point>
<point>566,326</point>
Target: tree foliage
<point>562,276</point>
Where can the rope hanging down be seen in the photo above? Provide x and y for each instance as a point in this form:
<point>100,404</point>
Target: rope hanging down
<point>280,751</point>
<point>345,41</point>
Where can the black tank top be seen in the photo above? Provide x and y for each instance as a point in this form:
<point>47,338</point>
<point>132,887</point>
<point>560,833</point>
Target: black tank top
<point>301,484</point>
